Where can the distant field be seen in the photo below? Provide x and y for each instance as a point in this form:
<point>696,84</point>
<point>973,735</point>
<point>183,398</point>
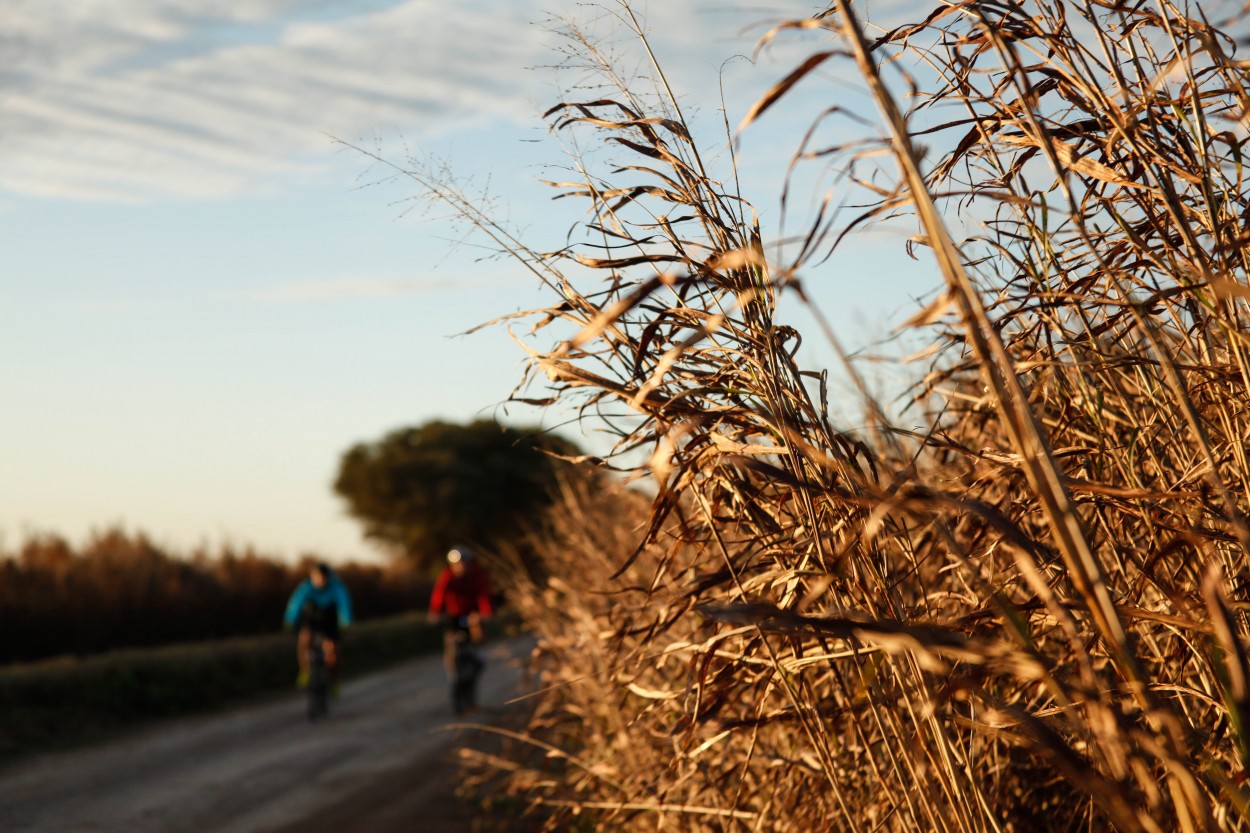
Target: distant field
<point>64,700</point>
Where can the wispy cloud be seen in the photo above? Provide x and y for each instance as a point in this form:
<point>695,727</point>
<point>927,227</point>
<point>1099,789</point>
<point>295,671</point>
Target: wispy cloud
<point>142,99</point>
<point>200,99</point>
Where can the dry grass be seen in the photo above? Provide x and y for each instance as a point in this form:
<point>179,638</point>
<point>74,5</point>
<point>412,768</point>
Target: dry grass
<point>1030,616</point>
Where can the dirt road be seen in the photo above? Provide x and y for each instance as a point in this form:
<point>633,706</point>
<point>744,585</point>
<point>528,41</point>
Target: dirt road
<point>381,763</point>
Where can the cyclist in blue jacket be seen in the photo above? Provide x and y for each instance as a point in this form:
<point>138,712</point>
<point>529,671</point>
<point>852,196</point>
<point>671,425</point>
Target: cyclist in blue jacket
<point>320,603</point>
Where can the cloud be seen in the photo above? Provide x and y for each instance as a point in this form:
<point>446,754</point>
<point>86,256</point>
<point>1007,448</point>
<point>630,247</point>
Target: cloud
<point>136,100</point>
<point>193,99</point>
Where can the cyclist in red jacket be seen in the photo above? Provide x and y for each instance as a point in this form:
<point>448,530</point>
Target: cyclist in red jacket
<point>461,600</point>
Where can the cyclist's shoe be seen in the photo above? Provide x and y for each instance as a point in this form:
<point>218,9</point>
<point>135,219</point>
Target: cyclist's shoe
<point>301,679</point>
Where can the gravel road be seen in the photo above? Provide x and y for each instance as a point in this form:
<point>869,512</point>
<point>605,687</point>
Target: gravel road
<point>380,763</point>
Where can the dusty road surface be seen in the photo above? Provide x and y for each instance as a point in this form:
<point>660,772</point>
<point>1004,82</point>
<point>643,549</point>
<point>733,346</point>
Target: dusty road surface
<point>382,762</point>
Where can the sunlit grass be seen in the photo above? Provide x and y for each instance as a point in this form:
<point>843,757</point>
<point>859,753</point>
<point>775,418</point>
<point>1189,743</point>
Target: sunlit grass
<point>1028,615</point>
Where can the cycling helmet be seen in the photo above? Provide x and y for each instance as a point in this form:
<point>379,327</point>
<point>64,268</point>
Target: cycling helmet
<point>459,555</point>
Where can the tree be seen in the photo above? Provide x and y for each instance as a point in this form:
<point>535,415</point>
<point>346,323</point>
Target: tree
<point>419,491</point>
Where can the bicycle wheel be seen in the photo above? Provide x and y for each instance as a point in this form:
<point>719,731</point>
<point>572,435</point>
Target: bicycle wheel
<point>318,702</point>
<point>468,666</point>
<point>318,684</point>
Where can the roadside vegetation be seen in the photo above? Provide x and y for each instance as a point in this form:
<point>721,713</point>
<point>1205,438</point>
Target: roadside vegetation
<point>120,589</point>
<point>1029,612</point>
<point>75,699</point>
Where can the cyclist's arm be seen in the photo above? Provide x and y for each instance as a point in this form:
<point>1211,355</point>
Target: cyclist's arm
<point>344,602</point>
<point>483,596</point>
<point>437,595</point>
<point>295,604</point>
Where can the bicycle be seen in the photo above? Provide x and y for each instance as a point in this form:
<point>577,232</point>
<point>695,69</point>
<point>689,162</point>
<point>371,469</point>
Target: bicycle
<point>466,666</point>
<point>318,677</point>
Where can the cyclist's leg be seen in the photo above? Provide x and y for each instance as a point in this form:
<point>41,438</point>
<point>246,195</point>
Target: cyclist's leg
<point>330,647</point>
<point>334,661</point>
<point>449,652</point>
<point>301,653</point>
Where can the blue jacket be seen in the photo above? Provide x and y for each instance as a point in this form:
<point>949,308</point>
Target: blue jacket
<point>333,593</point>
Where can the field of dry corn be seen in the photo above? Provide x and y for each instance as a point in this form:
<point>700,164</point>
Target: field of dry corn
<point>1029,615</point>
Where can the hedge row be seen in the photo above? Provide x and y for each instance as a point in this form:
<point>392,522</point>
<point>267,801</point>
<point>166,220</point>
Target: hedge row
<point>108,593</point>
<point>69,699</point>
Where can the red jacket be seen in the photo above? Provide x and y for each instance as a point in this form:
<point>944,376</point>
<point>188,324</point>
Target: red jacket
<point>461,595</point>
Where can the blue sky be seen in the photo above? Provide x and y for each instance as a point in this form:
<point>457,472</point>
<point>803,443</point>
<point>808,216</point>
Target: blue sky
<point>206,300</point>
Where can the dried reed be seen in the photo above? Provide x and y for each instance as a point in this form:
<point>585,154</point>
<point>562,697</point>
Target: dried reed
<point>1022,618</point>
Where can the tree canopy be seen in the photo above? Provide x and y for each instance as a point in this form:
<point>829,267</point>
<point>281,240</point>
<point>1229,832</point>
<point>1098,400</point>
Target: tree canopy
<point>420,490</point>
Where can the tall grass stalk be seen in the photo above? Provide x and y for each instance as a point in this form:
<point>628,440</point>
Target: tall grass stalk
<point>1029,615</point>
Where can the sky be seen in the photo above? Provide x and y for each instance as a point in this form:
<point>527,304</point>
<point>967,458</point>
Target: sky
<point>207,297</point>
